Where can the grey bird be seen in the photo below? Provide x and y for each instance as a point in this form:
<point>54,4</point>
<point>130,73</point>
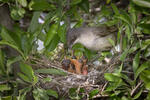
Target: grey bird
<point>93,38</point>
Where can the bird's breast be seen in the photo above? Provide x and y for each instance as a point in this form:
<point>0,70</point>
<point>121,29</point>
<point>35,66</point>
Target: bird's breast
<point>94,42</point>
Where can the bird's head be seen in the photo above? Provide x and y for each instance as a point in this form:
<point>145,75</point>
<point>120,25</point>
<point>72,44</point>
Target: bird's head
<point>71,37</point>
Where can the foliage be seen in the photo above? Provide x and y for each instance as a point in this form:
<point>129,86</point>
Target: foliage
<point>121,85</point>
<point>133,24</point>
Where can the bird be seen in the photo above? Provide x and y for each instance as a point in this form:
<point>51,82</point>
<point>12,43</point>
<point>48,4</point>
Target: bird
<point>93,38</point>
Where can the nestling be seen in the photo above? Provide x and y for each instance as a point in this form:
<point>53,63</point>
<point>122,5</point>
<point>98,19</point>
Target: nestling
<point>93,38</point>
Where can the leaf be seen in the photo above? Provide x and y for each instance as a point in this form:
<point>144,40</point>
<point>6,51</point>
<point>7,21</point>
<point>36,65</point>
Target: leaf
<point>111,77</point>
<point>51,92</point>
<point>148,96</point>
<point>17,13</point>
<point>93,93</point>
<point>147,52</point>
<point>141,68</point>
<point>23,2</point>
<point>78,47</point>
<point>13,46</point>
<point>125,17</point>
<point>10,37</point>
<point>7,98</point>
<point>26,44</point>
<point>53,44</point>
<point>114,85</point>
<point>27,70</point>
<point>128,32</point>
<point>25,78</point>
<point>144,26</point>
<point>115,9</point>
<point>84,4</point>
<point>2,59</point>
<point>74,2</point>
<point>143,3</point>
<point>47,79</point>
<point>23,92</point>
<point>4,88</point>
<point>40,94</point>
<point>136,62</point>
<point>135,47</point>
<point>34,24</point>
<point>35,80</point>
<point>13,60</point>
<point>145,44</point>
<point>50,34</point>
<point>145,77</point>
<point>42,5</point>
<point>124,54</point>
<point>112,42</point>
<point>50,71</point>
<point>62,33</point>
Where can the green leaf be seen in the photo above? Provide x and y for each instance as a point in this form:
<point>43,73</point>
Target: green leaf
<point>115,9</point>
<point>124,54</point>
<point>147,52</point>
<point>25,78</point>
<point>13,46</point>
<point>135,47</point>
<point>2,59</point>
<point>145,44</point>
<point>124,43</point>
<point>34,24</point>
<point>27,70</point>
<point>114,85</point>
<point>50,71</point>
<point>53,44</point>
<point>93,93</point>
<point>143,3</point>
<point>141,68</point>
<point>42,5</point>
<point>145,77</point>
<point>84,5</point>
<point>62,33</point>
<point>26,44</point>
<point>136,62</point>
<point>78,47</point>
<point>4,88</point>
<point>74,2</point>
<point>35,80</point>
<point>23,92</point>
<point>148,96</point>
<point>4,34</point>
<point>50,34</point>
<point>13,60</point>
<point>52,93</point>
<point>23,2</point>
<point>125,17</point>
<point>138,94</point>
<point>7,98</point>
<point>111,77</point>
<point>40,94</point>
<point>17,13</point>
<point>128,32</point>
<point>112,42</point>
<point>144,26</point>
<point>47,79</point>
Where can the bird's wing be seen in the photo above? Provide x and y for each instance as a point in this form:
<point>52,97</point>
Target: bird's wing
<point>103,30</point>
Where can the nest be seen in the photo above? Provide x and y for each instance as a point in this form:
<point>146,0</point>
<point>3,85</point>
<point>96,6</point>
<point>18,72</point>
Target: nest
<point>62,84</point>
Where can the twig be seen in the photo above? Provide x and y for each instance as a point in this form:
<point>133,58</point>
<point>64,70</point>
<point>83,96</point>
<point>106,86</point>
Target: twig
<point>104,87</point>
<point>133,91</point>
